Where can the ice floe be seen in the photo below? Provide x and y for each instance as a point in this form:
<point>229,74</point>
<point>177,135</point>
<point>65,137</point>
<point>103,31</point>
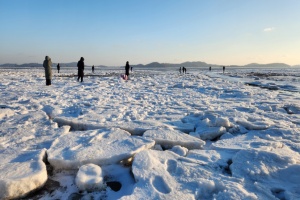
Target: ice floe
<point>101,147</point>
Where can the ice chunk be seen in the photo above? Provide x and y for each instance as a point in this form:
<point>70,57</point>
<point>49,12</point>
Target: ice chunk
<point>210,133</point>
<point>255,124</point>
<point>183,127</point>
<point>247,141</point>
<point>182,151</point>
<point>6,112</point>
<point>100,147</point>
<point>89,178</point>
<point>159,174</point>
<point>170,138</point>
<point>75,125</point>
<point>222,121</point>
<point>21,173</point>
<point>139,127</point>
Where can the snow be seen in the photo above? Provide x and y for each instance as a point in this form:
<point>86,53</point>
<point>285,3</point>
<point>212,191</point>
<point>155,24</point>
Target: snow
<point>158,135</point>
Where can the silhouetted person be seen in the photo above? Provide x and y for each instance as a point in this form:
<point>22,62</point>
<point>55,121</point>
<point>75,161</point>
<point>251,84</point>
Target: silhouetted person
<point>80,66</point>
<point>223,69</point>
<point>48,69</point>
<point>93,69</point>
<point>127,67</point>
<point>58,67</point>
<point>180,70</point>
<point>183,70</point>
<point>209,68</point>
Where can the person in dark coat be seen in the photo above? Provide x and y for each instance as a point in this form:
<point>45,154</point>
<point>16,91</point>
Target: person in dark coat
<point>127,67</point>
<point>58,67</point>
<point>80,66</point>
<point>223,69</point>
<point>180,70</point>
<point>209,68</point>
<point>93,68</point>
<point>48,69</point>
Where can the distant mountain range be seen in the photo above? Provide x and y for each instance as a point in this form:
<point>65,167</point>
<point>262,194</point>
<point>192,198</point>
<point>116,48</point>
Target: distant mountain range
<point>159,65</point>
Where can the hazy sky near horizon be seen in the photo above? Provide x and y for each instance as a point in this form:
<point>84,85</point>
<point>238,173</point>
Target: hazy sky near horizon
<point>111,32</point>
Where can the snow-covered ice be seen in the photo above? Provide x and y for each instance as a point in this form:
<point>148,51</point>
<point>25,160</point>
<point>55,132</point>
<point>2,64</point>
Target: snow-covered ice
<point>158,135</point>
<point>89,177</point>
<point>101,147</point>
<point>21,172</point>
<point>170,138</point>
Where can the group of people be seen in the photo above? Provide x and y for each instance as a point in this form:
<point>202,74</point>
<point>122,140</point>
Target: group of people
<point>80,65</point>
<point>223,69</point>
<point>183,69</point>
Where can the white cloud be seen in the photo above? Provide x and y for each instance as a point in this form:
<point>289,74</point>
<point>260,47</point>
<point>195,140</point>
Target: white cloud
<point>269,29</point>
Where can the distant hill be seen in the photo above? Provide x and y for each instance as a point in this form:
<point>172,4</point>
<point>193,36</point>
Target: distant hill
<point>196,64</point>
<point>170,65</point>
<point>270,65</point>
<point>27,65</point>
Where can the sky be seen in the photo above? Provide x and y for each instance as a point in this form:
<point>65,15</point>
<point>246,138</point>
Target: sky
<point>111,32</point>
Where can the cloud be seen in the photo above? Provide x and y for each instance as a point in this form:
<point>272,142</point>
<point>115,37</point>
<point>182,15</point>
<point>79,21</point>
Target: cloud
<point>269,29</point>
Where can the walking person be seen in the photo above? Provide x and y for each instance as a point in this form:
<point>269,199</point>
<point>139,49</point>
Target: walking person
<point>180,70</point>
<point>80,66</point>
<point>58,67</point>
<point>127,67</point>
<point>48,69</point>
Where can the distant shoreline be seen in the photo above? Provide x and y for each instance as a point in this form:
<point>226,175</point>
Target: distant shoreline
<point>152,65</point>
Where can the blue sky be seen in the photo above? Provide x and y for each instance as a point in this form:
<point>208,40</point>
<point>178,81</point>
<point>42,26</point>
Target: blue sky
<point>110,32</point>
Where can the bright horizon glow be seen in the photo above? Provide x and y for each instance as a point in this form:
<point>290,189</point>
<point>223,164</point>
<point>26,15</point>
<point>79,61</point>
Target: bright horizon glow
<point>223,32</point>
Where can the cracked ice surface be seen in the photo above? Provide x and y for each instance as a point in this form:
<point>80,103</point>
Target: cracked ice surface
<point>248,136</point>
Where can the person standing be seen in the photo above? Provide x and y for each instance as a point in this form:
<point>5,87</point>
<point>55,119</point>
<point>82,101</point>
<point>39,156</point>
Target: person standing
<point>93,68</point>
<point>48,69</point>
<point>127,67</point>
<point>223,69</point>
<point>58,67</point>
<point>80,66</point>
<point>179,70</point>
<point>209,68</point>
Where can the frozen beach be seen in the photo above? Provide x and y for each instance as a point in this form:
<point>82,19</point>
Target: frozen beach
<point>160,135</point>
